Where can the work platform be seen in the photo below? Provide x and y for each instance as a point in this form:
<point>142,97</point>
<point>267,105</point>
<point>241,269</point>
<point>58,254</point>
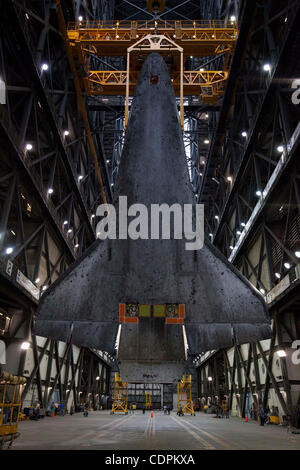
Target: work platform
<point>112,38</point>
<point>134,40</point>
<point>112,82</point>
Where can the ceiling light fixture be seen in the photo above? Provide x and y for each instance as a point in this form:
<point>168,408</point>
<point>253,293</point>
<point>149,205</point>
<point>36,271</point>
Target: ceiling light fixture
<point>267,67</point>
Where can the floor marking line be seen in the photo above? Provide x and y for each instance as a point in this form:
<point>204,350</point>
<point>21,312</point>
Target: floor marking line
<point>150,428</point>
<point>108,425</point>
<point>217,439</point>
<point>149,431</point>
<point>147,426</point>
<point>210,436</point>
<point>116,424</point>
<point>206,444</point>
<point>152,431</point>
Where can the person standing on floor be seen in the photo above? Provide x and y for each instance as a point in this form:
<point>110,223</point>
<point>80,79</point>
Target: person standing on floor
<point>262,415</point>
<point>37,411</point>
<point>86,410</point>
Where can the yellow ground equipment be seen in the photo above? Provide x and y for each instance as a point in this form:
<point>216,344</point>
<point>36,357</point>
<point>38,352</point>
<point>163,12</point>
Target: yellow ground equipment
<point>224,406</point>
<point>184,395</point>
<point>120,396</point>
<point>274,420</point>
<point>10,404</point>
<point>148,401</point>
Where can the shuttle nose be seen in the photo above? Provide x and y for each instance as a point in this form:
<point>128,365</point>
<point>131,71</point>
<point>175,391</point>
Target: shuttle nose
<point>155,72</point>
<point>154,58</point>
<point>156,65</point>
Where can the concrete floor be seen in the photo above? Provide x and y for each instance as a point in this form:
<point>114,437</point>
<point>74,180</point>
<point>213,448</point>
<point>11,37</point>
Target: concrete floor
<point>100,430</point>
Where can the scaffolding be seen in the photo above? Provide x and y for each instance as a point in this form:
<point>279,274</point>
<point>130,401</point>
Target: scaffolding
<point>120,402</point>
<point>10,404</point>
<point>148,401</point>
<point>184,395</point>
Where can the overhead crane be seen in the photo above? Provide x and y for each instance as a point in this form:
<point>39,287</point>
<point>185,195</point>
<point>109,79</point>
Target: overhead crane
<point>112,38</point>
<point>174,40</point>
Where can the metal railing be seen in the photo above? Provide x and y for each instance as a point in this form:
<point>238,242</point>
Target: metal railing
<point>159,24</point>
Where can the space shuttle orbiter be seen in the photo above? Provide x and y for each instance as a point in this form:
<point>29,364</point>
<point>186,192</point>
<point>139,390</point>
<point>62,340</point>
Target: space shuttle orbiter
<point>153,287</point>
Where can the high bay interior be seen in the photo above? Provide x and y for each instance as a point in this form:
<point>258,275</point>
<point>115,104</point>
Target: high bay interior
<point>68,71</point>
